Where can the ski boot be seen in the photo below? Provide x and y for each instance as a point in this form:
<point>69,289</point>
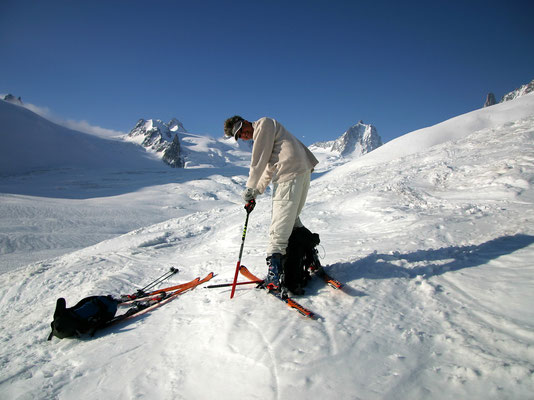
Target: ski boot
<point>274,263</point>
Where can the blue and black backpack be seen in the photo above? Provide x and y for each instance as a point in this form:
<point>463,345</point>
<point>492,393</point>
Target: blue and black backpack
<point>86,316</point>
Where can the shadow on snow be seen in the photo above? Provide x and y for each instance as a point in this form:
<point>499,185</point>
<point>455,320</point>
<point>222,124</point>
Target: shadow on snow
<point>430,262</point>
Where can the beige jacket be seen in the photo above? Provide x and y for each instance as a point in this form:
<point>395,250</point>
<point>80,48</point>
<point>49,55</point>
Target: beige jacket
<point>277,155</point>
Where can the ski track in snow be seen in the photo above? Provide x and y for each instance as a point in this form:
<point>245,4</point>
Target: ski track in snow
<point>435,249</point>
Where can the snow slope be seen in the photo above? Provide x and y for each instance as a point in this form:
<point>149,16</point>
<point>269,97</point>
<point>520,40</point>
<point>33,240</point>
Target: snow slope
<point>434,242</point>
<point>33,143</point>
<point>452,129</point>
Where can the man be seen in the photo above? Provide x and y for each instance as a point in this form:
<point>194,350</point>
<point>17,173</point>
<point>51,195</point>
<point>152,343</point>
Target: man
<point>280,157</point>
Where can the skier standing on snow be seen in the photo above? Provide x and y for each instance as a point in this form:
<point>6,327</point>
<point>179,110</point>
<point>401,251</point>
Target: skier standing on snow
<point>280,157</point>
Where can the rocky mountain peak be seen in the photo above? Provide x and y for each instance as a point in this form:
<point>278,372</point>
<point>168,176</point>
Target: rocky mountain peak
<point>521,91</point>
<point>359,139</point>
<point>490,100</point>
<point>161,138</point>
<point>176,126</point>
<point>12,99</point>
<point>514,94</point>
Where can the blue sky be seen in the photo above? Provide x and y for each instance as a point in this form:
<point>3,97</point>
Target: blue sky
<point>316,66</point>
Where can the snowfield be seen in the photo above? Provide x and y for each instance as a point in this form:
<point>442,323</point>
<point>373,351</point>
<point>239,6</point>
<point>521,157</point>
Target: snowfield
<point>434,243</point>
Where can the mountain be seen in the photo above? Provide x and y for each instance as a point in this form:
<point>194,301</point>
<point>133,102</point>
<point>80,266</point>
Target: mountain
<point>356,141</point>
<point>490,100</point>
<point>450,130</point>
<point>432,235</point>
<point>160,138</point>
<point>12,99</point>
<point>523,90</point>
<point>30,142</point>
<point>514,94</point>
<point>179,148</point>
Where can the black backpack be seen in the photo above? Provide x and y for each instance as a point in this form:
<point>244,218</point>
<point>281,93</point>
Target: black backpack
<point>86,316</point>
<point>300,256</point>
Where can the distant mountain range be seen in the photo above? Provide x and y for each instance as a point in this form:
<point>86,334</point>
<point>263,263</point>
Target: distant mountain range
<point>171,142</point>
<point>514,94</point>
<point>165,140</point>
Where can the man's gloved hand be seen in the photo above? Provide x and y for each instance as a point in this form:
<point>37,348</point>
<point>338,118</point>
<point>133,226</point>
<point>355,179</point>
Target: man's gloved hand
<point>250,194</point>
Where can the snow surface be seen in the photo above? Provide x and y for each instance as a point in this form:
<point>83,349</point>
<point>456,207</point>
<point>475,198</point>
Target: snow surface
<point>433,236</point>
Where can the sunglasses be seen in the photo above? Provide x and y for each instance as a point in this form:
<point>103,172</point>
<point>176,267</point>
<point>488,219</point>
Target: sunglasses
<point>236,130</point>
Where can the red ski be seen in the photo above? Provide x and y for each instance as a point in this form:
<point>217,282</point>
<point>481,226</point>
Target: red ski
<point>289,301</point>
<point>158,294</point>
<point>144,305</point>
<point>138,296</point>
<point>316,267</point>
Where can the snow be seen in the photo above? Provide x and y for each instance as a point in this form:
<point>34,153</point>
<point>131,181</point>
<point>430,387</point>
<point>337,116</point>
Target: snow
<point>31,142</point>
<point>452,129</point>
<point>432,233</point>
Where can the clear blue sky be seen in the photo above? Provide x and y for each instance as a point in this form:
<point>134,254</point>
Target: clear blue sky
<point>317,66</point>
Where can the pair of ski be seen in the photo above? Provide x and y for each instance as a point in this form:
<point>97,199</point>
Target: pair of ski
<point>143,302</point>
<point>291,303</point>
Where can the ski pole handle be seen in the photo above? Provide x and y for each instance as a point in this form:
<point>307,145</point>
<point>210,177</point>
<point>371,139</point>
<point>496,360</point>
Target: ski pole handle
<point>250,206</point>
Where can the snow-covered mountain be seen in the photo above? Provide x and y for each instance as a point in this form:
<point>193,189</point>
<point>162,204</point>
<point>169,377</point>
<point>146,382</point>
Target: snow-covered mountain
<point>179,148</point>
<point>49,146</point>
<point>521,91</point>
<point>431,233</point>
<point>514,94</point>
<point>12,99</point>
<point>356,141</point>
<point>30,142</point>
<point>160,138</point>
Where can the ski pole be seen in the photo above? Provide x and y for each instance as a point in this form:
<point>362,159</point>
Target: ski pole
<point>249,207</point>
<point>220,285</point>
<point>166,275</point>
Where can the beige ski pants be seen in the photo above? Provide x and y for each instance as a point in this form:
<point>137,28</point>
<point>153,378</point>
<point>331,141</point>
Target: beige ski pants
<point>289,198</point>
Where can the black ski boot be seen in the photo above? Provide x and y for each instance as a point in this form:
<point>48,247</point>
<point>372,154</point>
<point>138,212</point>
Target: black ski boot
<point>274,264</point>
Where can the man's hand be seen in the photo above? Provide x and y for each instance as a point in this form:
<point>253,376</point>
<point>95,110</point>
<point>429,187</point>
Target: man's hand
<point>250,194</point>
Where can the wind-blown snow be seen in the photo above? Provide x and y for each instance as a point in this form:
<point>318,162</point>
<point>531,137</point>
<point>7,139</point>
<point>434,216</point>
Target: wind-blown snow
<point>432,234</point>
<point>33,143</point>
